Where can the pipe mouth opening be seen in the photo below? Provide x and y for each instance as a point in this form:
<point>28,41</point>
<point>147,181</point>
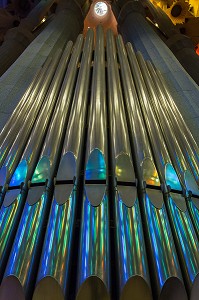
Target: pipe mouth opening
<point>195,288</point>
<point>173,289</point>
<point>48,288</point>
<point>136,288</point>
<point>11,288</point>
<point>93,288</point>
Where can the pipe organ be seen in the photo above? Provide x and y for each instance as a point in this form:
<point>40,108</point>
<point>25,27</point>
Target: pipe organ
<point>99,181</point>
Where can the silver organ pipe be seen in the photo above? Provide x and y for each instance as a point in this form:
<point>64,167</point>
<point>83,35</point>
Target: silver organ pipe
<point>99,182</point>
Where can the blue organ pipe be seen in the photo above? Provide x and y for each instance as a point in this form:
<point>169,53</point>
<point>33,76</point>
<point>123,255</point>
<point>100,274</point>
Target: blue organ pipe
<point>22,264</point>
<point>131,252</point>
<point>14,198</point>
<point>180,220</point>
<point>93,269</point>
<point>53,275</point>
<point>167,277</point>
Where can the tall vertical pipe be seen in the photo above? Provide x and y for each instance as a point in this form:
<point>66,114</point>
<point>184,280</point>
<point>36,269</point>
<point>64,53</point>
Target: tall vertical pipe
<point>10,155</point>
<point>185,236</point>
<point>20,109</point>
<point>24,257</point>
<point>14,198</point>
<point>17,120</point>
<point>131,253</point>
<point>186,140</point>
<point>178,147</point>
<point>175,111</point>
<point>188,157</point>
<point>53,275</point>
<point>164,266</point>
<point>93,269</point>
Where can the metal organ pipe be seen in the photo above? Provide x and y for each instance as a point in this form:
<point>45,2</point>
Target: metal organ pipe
<point>21,108</point>
<point>168,278</point>
<point>133,272</point>
<point>185,236</point>
<point>53,275</point>
<point>30,112</point>
<point>14,199</point>
<point>94,252</point>
<point>77,118</point>
<point>22,263</point>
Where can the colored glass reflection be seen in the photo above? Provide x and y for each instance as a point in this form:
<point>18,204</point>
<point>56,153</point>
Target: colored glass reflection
<point>187,241</point>
<point>42,170</point>
<point>162,245</point>
<point>19,174</point>
<point>9,218</point>
<point>56,253</point>
<point>94,245</point>
<point>130,242</point>
<point>191,183</point>
<point>23,257</point>
<point>172,178</point>
<point>194,214</point>
<point>96,166</point>
<point>150,174</point>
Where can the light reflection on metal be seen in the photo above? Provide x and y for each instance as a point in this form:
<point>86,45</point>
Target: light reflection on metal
<point>9,219</point>
<point>55,262</point>
<point>31,229</point>
<point>22,121</point>
<point>153,207</point>
<point>131,253</point>
<point>172,178</point>
<point>19,114</point>
<point>152,117</point>
<point>174,111</point>
<point>164,260</point>
<point>176,123</point>
<point>54,139</point>
<point>19,144</point>
<point>27,165</point>
<point>187,244</point>
<point>94,256</point>
<point>139,138</point>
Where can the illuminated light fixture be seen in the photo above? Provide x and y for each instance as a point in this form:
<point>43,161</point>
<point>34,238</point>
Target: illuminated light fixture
<point>100,8</point>
<point>43,20</point>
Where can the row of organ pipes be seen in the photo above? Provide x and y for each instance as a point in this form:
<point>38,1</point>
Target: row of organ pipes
<point>99,177</point>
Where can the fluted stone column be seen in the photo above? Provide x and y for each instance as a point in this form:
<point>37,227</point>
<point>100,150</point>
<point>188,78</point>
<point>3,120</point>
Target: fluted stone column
<point>181,45</point>
<point>183,49</point>
<point>66,25</point>
<point>134,28</point>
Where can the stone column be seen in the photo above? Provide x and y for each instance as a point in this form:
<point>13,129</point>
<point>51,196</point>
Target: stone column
<point>183,49</point>
<point>66,25</point>
<point>134,28</point>
<point>17,39</point>
<point>181,45</point>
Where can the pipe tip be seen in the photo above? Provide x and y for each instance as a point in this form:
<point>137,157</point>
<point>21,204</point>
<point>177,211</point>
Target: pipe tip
<point>136,288</point>
<point>93,288</point>
<point>173,289</point>
<point>48,288</point>
<point>11,289</point>
<point>195,288</point>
